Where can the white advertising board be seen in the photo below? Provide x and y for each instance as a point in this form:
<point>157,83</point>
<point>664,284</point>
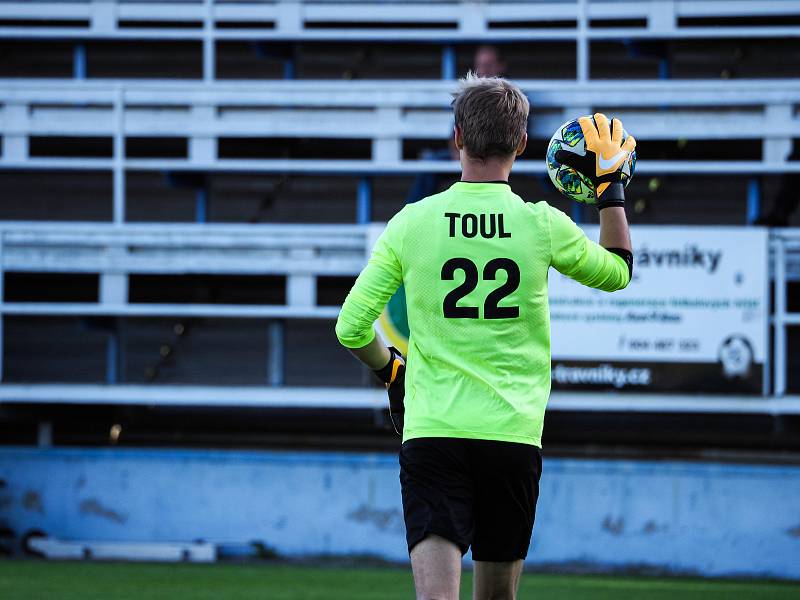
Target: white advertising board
<point>694,317</point>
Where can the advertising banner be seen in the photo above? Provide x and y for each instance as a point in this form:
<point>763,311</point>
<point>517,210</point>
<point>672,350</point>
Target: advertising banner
<point>694,317</point>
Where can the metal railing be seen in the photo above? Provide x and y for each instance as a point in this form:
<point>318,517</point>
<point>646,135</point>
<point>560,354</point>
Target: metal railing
<point>300,252</point>
<point>212,21</point>
<point>384,113</point>
<point>785,251</point>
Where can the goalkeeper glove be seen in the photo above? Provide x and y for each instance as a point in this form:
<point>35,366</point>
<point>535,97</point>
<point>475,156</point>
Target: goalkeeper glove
<point>393,375</point>
<point>602,162</point>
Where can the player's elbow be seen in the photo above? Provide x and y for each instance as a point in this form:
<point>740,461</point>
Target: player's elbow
<point>618,283</point>
<point>623,273</point>
<point>613,283</point>
<point>622,283</point>
<point>349,335</point>
<point>344,332</point>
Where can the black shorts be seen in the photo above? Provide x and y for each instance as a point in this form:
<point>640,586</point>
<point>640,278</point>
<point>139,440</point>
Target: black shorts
<point>477,493</point>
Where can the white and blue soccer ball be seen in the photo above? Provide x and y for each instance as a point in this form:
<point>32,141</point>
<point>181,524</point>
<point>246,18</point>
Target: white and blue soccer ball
<point>568,181</point>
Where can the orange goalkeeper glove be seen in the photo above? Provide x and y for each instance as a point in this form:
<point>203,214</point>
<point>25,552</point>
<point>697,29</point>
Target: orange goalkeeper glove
<point>393,376</point>
<point>605,155</point>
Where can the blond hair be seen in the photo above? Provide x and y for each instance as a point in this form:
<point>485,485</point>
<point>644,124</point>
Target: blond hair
<point>492,114</point>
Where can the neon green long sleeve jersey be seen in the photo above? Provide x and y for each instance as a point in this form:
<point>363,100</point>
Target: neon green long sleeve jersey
<point>474,261</point>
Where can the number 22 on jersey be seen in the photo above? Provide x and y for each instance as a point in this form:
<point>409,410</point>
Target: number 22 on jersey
<point>491,308</point>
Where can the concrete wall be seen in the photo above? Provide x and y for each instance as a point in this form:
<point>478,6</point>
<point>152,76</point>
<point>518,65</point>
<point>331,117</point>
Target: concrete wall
<point>714,519</point>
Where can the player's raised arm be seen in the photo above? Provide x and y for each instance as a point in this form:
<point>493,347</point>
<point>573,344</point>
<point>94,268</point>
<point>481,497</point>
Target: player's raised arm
<point>615,235</point>
<point>614,232</point>
<point>609,265</point>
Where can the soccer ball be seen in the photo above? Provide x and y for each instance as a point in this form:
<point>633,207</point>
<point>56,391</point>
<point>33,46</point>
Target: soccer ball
<point>568,181</point>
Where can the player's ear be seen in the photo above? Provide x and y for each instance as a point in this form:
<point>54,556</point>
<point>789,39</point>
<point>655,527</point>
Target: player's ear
<point>458,138</point>
<point>522,144</point>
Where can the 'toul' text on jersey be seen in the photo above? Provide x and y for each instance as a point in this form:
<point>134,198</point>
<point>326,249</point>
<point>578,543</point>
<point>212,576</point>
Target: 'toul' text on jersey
<point>470,225</point>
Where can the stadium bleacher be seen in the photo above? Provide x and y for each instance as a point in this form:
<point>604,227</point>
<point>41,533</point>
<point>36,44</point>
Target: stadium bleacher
<point>234,159</point>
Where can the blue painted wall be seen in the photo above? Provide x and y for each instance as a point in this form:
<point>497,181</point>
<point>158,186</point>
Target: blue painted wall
<point>714,519</point>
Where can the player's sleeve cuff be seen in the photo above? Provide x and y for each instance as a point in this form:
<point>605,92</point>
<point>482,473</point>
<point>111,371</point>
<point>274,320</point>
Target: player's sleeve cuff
<point>625,255</point>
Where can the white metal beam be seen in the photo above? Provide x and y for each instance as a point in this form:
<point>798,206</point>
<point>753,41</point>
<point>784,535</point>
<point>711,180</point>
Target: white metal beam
<point>366,167</point>
<point>370,398</point>
<point>222,311</point>
<point>408,35</point>
<point>393,93</point>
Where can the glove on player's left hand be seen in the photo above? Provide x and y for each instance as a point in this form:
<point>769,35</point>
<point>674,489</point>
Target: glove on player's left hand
<point>393,375</point>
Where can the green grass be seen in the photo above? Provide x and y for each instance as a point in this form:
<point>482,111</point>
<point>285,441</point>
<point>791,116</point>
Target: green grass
<point>34,580</point>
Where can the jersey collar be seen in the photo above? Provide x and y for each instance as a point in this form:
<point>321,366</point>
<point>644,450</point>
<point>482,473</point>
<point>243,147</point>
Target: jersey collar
<point>480,187</point>
<point>494,181</point>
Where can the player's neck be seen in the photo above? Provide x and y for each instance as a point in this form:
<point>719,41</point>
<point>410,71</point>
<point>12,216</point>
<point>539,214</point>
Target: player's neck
<point>484,170</point>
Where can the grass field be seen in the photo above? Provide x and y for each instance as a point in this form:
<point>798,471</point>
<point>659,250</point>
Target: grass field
<point>34,580</point>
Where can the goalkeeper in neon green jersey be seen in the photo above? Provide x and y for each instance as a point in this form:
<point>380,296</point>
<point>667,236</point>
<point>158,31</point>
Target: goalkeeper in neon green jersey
<point>470,396</point>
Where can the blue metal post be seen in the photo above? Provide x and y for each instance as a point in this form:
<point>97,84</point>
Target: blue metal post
<point>364,201</point>
<point>112,358</point>
<point>79,61</point>
<point>2,282</point>
<point>663,73</point>
<point>288,68</point>
<point>663,68</point>
<point>448,62</point>
<point>276,356</point>
<point>201,205</point>
<point>753,199</point>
